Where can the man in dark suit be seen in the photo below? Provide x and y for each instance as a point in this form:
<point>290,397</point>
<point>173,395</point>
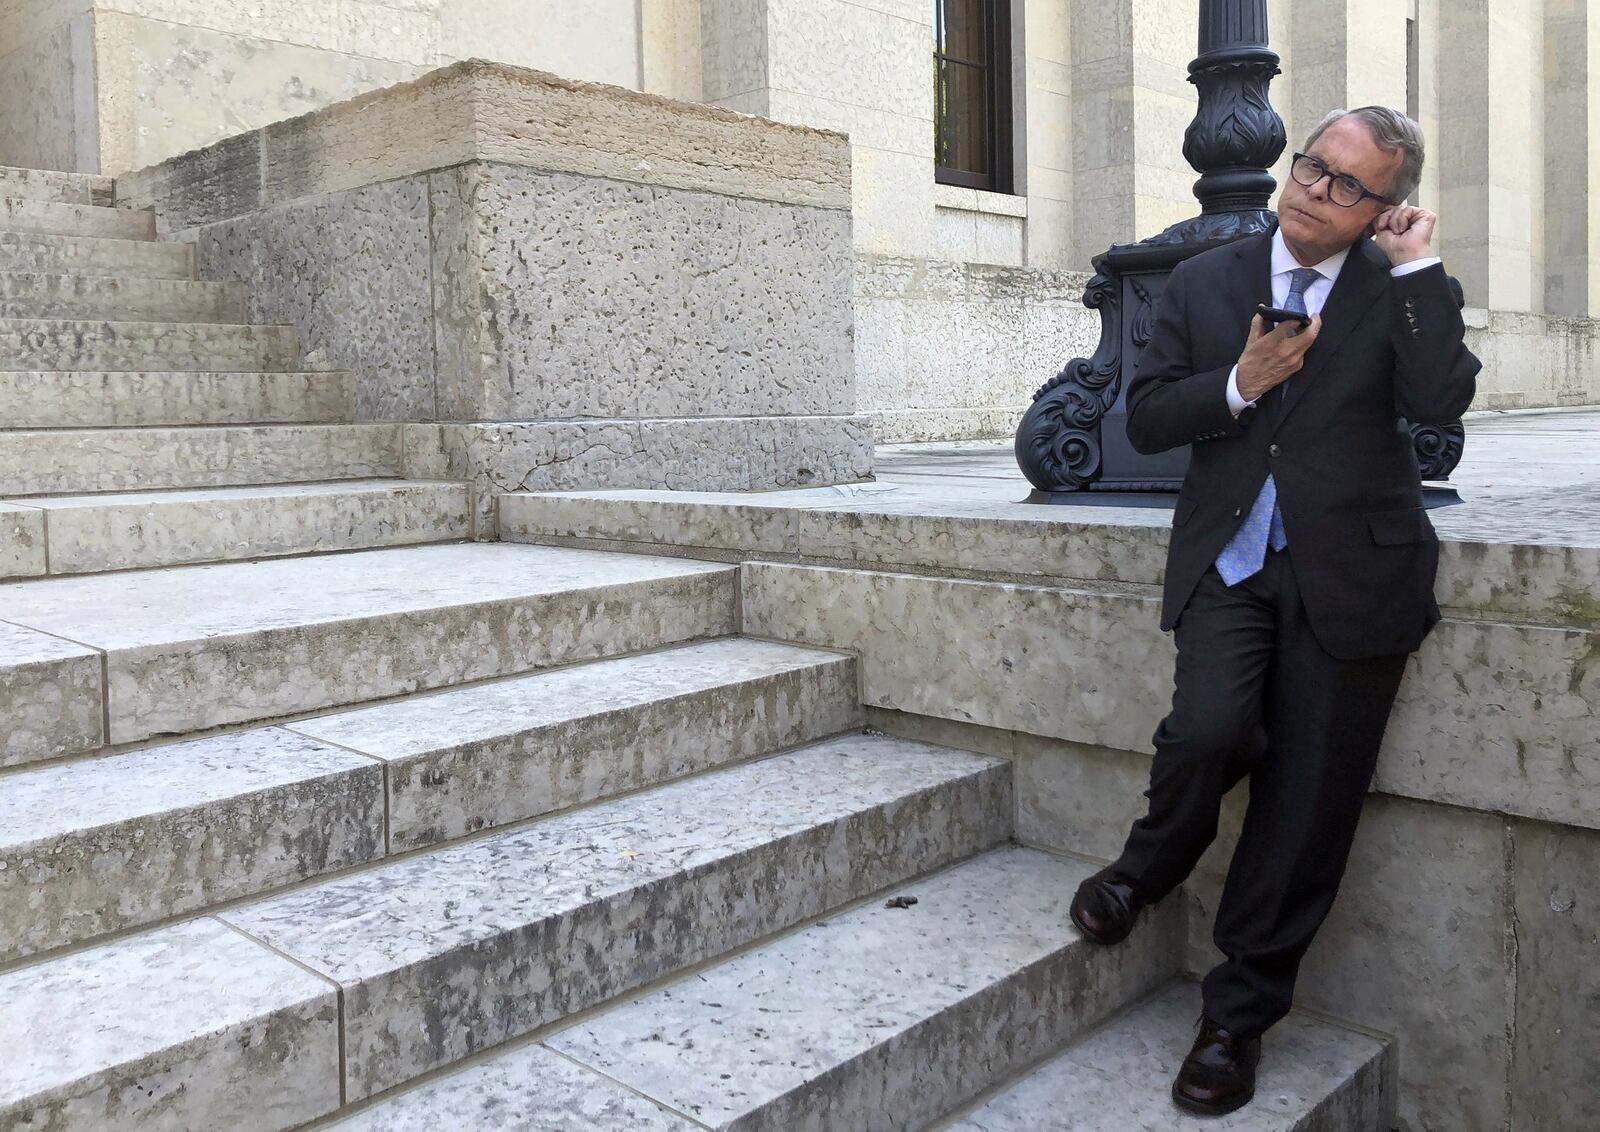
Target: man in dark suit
<point>1301,567</point>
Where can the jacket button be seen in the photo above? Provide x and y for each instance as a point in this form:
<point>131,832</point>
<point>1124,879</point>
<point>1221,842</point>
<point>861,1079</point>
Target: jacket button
<point>1416,333</point>
<point>1411,301</point>
<point>1273,450</point>
<point>1237,511</point>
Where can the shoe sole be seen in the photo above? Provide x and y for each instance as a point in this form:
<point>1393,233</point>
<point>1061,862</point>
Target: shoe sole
<point>1201,1108</point>
<point>1096,937</point>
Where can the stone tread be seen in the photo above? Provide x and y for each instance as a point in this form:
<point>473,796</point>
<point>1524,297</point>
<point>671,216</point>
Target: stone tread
<point>34,252</point>
<point>88,344</point>
<point>53,218</point>
<point>51,185</point>
<point>97,845</point>
<point>93,297</point>
<point>1314,1077</point>
<point>40,399</point>
<point>140,530</point>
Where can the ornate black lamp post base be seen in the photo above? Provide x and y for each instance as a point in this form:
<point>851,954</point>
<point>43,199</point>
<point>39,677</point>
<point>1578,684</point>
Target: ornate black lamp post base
<point>1073,439</point>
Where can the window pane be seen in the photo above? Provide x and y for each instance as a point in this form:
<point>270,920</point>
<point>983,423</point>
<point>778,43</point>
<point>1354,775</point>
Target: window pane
<point>964,31</point>
<point>963,118</point>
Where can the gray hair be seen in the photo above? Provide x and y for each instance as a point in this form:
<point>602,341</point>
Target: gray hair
<point>1394,133</point>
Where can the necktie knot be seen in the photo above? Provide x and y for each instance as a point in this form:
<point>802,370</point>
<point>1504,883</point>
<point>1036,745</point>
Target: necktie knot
<point>1300,279</point>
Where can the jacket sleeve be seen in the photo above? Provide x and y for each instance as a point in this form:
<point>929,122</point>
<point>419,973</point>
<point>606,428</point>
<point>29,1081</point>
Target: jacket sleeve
<point>1435,375</point>
<point>1169,404</point>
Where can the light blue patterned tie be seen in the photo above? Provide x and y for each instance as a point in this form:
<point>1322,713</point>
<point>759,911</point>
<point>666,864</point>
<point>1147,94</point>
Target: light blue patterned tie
<point>1247,552</point>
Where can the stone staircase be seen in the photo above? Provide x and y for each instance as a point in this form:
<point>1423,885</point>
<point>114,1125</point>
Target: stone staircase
<point>313,812</point>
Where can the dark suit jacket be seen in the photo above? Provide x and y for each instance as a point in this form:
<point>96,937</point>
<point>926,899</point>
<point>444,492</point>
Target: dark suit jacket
<point>1364,552</point>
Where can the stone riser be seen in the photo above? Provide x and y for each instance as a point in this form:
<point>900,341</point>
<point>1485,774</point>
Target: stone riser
<point>49,185</point>
<point>34,399</point>
<point>98,846</point>
<point>89,534</point>
<point>33,253</point>
<point>73,461</point>
<point>106,298</point>
<point>51,218</point>
<point>36,343</point>
<point>467,947</point>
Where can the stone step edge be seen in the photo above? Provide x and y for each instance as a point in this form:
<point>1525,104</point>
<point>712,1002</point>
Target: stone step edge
<point>133,327</point>
<point>43,243</point>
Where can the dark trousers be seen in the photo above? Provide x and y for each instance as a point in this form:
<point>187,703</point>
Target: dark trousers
<point>1255,694</point>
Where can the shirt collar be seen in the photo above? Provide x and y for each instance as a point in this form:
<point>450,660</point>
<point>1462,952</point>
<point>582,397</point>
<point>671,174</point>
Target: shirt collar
<point>1283,260</point>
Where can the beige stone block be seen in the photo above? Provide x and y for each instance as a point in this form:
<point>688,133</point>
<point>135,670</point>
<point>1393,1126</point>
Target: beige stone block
<point>597,41</point>
<point>52,694</point>
<point>22,550</point>
<point>855,54</point>
<point>47,88</point>
<point>893,212</point>
<point>887,129</point>
<point>1077,798</point>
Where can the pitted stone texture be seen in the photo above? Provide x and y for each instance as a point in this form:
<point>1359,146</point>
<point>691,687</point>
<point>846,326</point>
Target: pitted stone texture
<point>40,343</point>
<point>95,297</point>
<point>351,274</point>
<point>85,255</point>
<point>22,551</point>
<point>1314,1077</point>
<point>454,951</point>
<point>879,1011</point>
<point>192,1026</point>
<point>52,219</point>
<point>524,1090</point>
<point>47,184</point>
<point>89,533</point>
<point>111,399</point>
<point>92,847</point>
<point>195,647</point>
<point>91,460</point>
<point>465,760</point>
<point>606,299</point>
<point>51,694</point>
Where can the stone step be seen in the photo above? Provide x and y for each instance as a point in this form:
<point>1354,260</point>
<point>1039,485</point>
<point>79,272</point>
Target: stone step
<point>30,252</point>
<point>94,846</point>
<point>194,647</point>
<point>32,399</point>
<point>81,534</point>
<point>1314,1076</point>
<point>44,343</point>
<point>48,184</point>
<point>78,461</point>
<point>387,973</point>
<point>52,696</point>
<point>910,1011</point>
<point>52,218</point>
<point>96,297</point>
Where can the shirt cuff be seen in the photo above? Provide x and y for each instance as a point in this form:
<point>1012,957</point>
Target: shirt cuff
<point>1414,265</point>
<point>1236,403</point>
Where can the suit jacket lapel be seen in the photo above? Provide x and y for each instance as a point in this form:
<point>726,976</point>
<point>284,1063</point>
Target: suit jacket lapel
<point>1363,279</point>
<point>1250,282</point>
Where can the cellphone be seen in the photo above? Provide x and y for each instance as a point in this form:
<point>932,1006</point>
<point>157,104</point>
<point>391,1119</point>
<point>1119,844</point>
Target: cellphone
<point>1275,315</point>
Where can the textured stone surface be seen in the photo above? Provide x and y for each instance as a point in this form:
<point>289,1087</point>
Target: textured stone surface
<point>255,1044</point>
<point>22,552</point>
<point>110,399</point>
<point>443,954</point>
<point>351,274</point>
<point>97,297</point>
<point>523,1090</point>
<point>89,460</point>
<point>81,255</point>
<point>195,647</point>
<point>877,1011</point>
<point>462,761</point>
<point>52,219</point>
<point>92,533</point>
<point>1313,1077</point>
<point>47,184</point>
<point>47,82</point>
<point>92,847</point>
<point>38,343</point>
<point>51,695</point>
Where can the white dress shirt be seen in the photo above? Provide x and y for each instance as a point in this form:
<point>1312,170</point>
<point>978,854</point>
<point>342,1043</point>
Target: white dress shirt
<point>1283,266</point>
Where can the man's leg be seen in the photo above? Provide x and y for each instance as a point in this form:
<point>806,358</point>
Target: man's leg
<point>1325,720</point>
<point>1212,736</point>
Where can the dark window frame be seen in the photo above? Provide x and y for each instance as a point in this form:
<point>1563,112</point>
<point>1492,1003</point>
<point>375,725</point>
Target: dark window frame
<point>998,141</point>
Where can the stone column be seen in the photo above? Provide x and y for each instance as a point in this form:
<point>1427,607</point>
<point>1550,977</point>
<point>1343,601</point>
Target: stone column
<point>1572,158</point>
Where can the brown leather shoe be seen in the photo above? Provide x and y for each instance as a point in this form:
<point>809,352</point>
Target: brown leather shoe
<point>1105,908</point>
<point>1219,1075</point>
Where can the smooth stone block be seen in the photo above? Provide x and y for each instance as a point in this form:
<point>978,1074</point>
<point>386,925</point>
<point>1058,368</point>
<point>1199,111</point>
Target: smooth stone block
<point>51,218</point>
<point>119,532</point>
<point>41,343</point>
<point>1314,1077</point>
<point>89,255</point>
<point>477,757</point>
<point>196,647</point>
<point>91,847</point>
<point>60,461</point>
<point>879,1011</point>
<point>192,1026</point>
<point>112,399</point>
<point>48,184</point>
<point>51,695</point>
<point>22,553</point>
<point>523,1090</point>
<point>451,952</point>
<point>100,297</point>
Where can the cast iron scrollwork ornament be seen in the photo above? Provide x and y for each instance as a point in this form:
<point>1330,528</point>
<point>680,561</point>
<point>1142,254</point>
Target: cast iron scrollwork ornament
<point>1439,448</point>
<point>1059,438</point>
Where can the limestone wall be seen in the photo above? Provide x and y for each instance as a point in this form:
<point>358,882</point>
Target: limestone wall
<point>47,84</point>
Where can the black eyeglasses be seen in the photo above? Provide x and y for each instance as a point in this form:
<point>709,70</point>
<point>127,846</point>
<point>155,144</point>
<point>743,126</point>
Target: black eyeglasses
<point>1343,189</point>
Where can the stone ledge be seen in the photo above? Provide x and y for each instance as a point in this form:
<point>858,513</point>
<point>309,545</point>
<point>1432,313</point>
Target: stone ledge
<point>482,111</point>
